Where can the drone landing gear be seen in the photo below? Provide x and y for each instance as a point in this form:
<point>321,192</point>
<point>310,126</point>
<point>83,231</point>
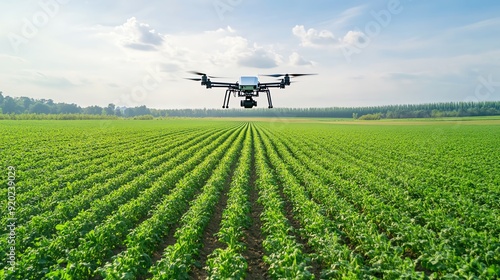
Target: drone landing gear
<point>226,98</point>
<point>248,102</point>
<point>268,92</point>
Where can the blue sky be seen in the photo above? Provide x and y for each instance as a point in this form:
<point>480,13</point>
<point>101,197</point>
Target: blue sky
<point>366,53</point>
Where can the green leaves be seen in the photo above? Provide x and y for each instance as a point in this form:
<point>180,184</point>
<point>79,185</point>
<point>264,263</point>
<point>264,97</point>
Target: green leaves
<point>229,263</point>
<point>179,257</point>
<point>334,201</point>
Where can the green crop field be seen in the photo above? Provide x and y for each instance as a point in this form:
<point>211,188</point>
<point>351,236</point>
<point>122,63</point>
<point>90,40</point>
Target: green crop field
<point>260,198</point>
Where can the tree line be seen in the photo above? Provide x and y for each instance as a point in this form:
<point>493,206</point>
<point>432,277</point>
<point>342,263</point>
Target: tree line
<point>29,106</point>
<point>37,108</point>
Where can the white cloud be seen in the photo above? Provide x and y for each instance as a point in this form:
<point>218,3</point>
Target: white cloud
<point>225,48</point>
<point>324,38</point>
<point>169,67</point>
<point>41,79</point>
<point>259,58</point>
<point>138,35</point>
<point>313,37</point>
<point>354,38</point>
<point>297,60</point>
<point>227,30</point>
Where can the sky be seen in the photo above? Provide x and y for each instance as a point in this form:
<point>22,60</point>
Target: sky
<point>366,53</point>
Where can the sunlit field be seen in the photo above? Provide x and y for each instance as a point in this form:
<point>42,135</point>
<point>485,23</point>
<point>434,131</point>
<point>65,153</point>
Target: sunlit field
<point>256,198</point>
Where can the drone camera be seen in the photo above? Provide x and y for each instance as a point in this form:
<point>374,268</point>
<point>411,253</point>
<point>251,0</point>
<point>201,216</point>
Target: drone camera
<point>248,103</point>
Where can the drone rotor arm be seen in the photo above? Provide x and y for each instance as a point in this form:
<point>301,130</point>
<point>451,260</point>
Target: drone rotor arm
<point>270,85</point>
<point>222,84</point>
<point>289,75</point>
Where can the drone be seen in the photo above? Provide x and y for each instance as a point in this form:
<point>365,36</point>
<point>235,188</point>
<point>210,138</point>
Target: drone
<point>247,87</point>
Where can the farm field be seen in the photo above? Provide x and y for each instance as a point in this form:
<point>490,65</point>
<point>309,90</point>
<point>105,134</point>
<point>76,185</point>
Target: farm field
<point>254,199</point>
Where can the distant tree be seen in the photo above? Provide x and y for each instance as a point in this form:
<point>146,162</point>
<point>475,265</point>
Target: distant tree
<point>129,112</point>
<point>64,108</point>
<point>436,114</point>
<point>142,110</point>
<point>39,108</point>
<point>118,112</point>
<point>473,111</point>
<point>10,106</point>
<point>25,103</point>
<point>159,113</point>
<point>93,110</point>
<point>110,110</point>
<point>137,111</point>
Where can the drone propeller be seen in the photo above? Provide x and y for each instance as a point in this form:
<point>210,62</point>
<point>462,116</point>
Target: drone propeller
<point>193,79</point>
<point>196,73</point>
<point>298,75</point>
<point>290,75</point>
<point>202,74</point>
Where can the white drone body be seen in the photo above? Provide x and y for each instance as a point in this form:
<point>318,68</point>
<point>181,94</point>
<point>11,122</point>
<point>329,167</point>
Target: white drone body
<point>248,83</point>
<point>247,86</point>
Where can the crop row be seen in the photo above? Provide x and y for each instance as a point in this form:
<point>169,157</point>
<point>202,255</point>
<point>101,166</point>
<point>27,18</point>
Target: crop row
<point>284,254</point>
<point>178,258</point>
<point>229,262</point>
<point>461,252</point>
<point>70,232</point>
